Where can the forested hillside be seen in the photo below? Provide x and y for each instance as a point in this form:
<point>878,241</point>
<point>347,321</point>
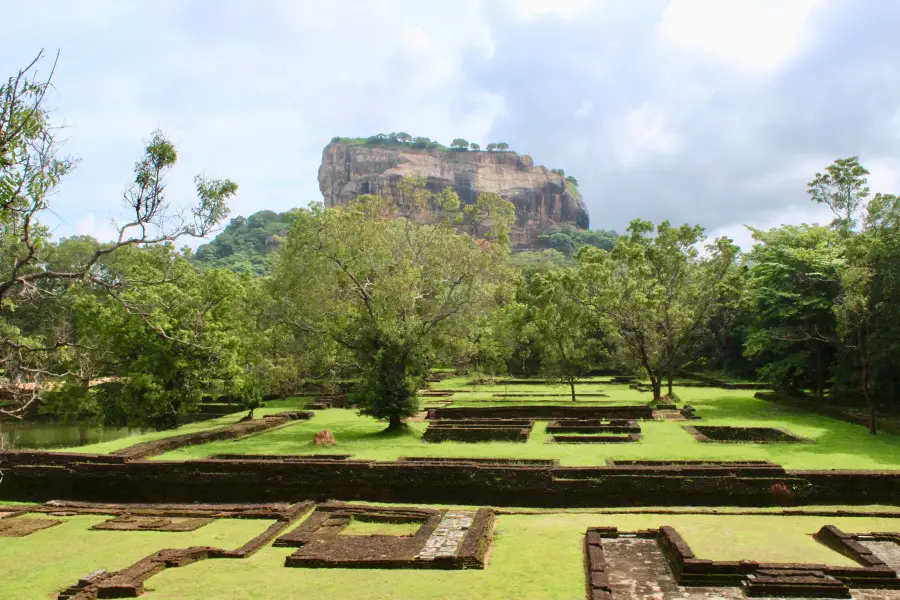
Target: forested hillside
<point>246,243</point>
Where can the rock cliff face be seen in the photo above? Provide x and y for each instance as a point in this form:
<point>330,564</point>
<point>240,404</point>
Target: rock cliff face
<point>541,198</point>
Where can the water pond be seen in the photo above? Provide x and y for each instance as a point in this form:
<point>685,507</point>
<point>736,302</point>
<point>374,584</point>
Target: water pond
<point>49,434</point>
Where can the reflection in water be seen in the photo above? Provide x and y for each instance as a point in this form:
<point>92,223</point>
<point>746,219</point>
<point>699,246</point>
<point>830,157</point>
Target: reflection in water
<point>31,434</point>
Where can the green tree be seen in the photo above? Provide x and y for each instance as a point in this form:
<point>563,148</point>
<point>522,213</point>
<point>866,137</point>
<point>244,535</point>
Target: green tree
<point>474,147</point>
<point>843,188</point>
<point>568,240</point>
<point>246,244</point>
<point>30,171</point>
<point>491,147</point>
<point>459,144</point>
<point>868,307</point>
<point>792,285</point>
<point>654,293</point>
<point>390,283</point>
<point>158,347</point>
<point>502,146</point>
<point>558,324</point>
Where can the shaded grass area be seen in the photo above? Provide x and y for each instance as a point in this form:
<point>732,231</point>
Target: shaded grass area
<point>838,445</point>
<point>49,560</point>
<point>534,558</point>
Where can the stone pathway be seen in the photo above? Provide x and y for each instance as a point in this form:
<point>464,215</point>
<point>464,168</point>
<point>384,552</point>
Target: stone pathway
<point>638,571</point>
<point>889,552</point>
<point>445,540</point>
<point>668,415</point>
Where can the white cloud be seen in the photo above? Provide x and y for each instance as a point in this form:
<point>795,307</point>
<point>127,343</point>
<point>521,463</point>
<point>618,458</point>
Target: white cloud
<point>644,132</point>
<point>253,92</point>
<point>790,215</point>
<point>794,174</point>
<point>586,108</point>
<point>529,9</point>
<point>884,174</point>
<point>101,230</point>
<point>759,35</point>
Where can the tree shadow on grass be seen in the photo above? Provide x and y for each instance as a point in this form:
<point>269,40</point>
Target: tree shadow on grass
<point>832,436</point>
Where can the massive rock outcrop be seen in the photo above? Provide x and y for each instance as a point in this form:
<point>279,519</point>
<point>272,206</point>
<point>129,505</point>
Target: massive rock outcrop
<point>542,199</point>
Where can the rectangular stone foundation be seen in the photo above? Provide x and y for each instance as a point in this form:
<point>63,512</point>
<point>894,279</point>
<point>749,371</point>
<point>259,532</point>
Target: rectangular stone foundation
<point>445,540</point>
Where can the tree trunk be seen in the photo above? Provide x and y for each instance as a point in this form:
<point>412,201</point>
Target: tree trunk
<point>870,403</point>
<point>820,380</point>
<point>656,384</point>
<point>572,387</point>
<point>395,422</point>
<point>873,429</point>
<point>669,384</point>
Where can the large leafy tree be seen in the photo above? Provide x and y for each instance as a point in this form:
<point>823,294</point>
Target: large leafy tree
<point>154,349</point>
<point>843,187</point>
<point>792,285</point>
<point>31,168</point>
<point>868,309</point>
<point>558,324</point>
<point>654,293</point>
<point>392,283</point>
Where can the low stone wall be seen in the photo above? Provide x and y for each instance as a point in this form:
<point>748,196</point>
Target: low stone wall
<point>437,482</point>
<point>691,570</point>
<point>596,439</point>
<point>444,539</point>
<point>620,426</point>
<point>240,429</point>
<point>543,412</point>
<point>475,434</point>
<point>742,435</point>
<point>596,569</point>
<point>129,582</point>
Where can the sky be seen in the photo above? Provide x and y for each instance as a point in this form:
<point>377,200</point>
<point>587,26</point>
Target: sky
<point>714,112</point>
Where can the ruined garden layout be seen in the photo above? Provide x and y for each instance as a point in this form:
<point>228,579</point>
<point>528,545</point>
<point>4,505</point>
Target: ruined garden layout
<point>497,490</point>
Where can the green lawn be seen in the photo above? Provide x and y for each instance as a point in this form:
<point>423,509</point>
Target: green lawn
<point>535,557</point>
<point>358,527</point>
<point>838,445</point>
<point>49,560</point>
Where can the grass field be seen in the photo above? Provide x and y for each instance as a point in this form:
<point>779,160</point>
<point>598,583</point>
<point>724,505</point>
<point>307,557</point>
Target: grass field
<point>535,557</point>
<point>837,445</point>
<point>41,563</point>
